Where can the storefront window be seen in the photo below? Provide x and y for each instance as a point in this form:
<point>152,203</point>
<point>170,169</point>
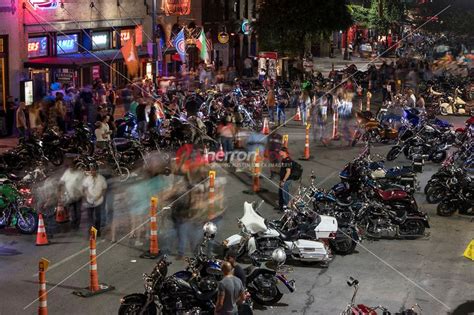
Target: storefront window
<point>37,47</point>
<point>100,40</point>
<point>66,44</point>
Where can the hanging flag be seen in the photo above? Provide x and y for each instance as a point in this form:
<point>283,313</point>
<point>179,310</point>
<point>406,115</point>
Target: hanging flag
<point>138,35</point>
<point>201,44</point>
<point>130,57</point>
<point>179,43</point>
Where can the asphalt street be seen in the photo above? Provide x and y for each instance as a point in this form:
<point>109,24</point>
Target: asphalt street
<point>429,271</point>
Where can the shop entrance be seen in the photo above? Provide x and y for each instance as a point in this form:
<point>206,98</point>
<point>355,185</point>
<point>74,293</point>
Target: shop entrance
<point>41,82</point>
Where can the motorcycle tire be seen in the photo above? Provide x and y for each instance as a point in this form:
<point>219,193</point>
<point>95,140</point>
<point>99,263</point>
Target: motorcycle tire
<point>29,225</point>
<point>56,157</point>
<point>438,157</point>
<point>260,298</point>
<point>435,194</point>
<point>394,153</point>
<point>133,309</point>
<point>86,149</point>
<point>445,209</point>
<point>343,244</point>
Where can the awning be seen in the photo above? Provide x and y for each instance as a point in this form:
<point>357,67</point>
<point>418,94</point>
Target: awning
<point>78,60</point>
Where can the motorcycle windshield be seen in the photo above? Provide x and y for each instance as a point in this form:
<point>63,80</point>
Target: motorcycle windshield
<point>252,221</point>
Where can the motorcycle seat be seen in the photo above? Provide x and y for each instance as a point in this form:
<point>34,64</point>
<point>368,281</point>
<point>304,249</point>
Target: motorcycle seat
<point>397,172</point>
<point>122,144</point>
<point>389,195</point>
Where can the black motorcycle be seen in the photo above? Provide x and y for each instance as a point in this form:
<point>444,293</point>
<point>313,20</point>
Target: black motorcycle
<point>79,142</point>
<point>413,145</point>
<point>181,293</point>
<point>459,198</point>
<point>127,126</point>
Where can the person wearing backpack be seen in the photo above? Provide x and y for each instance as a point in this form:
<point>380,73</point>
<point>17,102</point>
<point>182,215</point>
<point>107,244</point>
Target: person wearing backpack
<point>289,171</point>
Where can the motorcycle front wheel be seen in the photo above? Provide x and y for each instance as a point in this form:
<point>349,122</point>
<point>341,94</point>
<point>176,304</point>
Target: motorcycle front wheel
<point>435,194</point>
<point>394,153</point>
<point>343,244</point>
<point>445,209</point>
<point>27,222</point>
<point>135,309</point>
<point>267,292</point>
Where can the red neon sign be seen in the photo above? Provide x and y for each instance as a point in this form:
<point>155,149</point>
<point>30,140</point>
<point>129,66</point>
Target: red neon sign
<point>44,4</point>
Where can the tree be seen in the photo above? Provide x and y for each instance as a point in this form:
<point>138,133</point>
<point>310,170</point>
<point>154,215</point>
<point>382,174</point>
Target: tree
<point>381,15</point>
<point>287,26</point>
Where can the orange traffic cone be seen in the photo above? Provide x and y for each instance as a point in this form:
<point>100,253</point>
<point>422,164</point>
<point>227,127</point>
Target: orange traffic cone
<point>266,129</point>
<point>285,141</point>
<point>298,114</point>
<point>94,286</point>
<point>306,155</point>
<point>212,181</point>
<point>42,293</point>
<point>41,238</point>
<point>154,250</point>
<point>256,173</point>
<point>61,214</point>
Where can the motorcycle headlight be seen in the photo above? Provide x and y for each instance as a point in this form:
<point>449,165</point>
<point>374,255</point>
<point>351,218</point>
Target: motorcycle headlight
<point>279,256</point>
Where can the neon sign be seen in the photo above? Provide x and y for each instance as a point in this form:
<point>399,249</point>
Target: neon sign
<point>37,47</point>
<point>66,44</point>
<point>246,27</point>
<point>125,35</point>
<point>44,4</point>
<point>100,40</point>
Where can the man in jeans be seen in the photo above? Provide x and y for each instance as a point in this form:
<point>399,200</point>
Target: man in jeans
<point>231,292</point>
<point>285,182</point>
<point>94,187</point>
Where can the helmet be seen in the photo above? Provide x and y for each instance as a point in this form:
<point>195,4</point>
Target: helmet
<point>279,256</point>
<point>209,229</point>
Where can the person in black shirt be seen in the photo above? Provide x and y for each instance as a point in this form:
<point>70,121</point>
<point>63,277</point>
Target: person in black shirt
<point>239,272</point>
<point>285,182</point>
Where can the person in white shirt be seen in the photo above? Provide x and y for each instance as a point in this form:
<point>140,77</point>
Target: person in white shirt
<point>102,132</point>
<point>70,193</point>
<point>94,187</point>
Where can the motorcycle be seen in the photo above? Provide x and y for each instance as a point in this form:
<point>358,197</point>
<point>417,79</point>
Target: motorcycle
<point>414,146</point>
<point>358,309</point>
<point>459,197</point>
<point>79,142</point>
<point>191,291</point>
<point>377,221</point>
<point>258,240</point>
<point>455,105</point>
<point>374,131</point>
<point>127,126</point>
<point>14,209</point>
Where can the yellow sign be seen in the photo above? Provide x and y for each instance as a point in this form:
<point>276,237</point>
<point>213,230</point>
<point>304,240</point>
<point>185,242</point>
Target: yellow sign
<point>469,252</point>
<point>223,37</point>
<point>43,264</point>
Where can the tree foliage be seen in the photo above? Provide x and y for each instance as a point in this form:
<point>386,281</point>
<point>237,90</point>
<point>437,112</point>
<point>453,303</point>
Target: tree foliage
<point>287,25</point>
<point>455,17</point>
<point>380,15</point>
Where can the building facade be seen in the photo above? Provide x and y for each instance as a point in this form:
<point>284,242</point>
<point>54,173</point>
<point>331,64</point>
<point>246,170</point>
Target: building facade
<point>76,42</point>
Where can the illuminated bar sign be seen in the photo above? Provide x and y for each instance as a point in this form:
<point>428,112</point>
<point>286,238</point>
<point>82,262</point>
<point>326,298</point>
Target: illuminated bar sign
<point>66,44</point>
<point>44,4</point>
<point>177,7</point>
<point>37,47</point>
<point>100,40</point>
<point>126,35</point>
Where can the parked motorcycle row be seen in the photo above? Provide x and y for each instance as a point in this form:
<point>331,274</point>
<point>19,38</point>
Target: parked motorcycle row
<point>194,290</point>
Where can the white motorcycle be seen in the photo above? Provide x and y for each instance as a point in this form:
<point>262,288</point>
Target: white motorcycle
<point>258,240</point>
<point>454,106</point>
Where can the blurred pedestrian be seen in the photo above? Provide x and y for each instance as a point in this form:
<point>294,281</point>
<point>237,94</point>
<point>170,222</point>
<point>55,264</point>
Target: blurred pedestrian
<point>70,192</point>
<point>94,187</point>
<point>20,120</point>
<point>271,102</point>
<point>304,103</point>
